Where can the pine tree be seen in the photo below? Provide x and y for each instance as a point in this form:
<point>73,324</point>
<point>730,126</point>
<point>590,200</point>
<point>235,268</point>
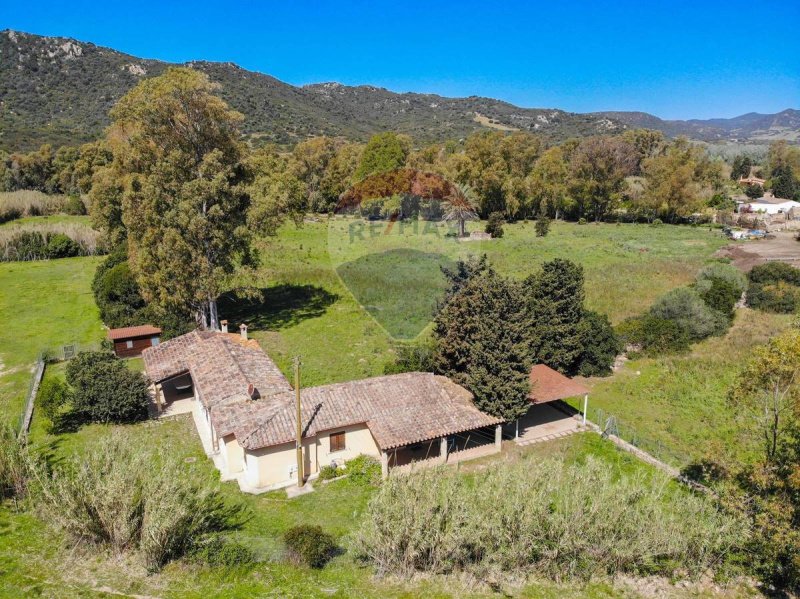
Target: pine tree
<point>555,309</point>
<point>481,344</point>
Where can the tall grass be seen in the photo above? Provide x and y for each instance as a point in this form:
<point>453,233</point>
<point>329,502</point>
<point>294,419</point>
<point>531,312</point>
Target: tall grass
<point>16,204</point>
<point>550,518</point>
<point>30,241</point>
<point>15,464</point>
<point>130,499</point>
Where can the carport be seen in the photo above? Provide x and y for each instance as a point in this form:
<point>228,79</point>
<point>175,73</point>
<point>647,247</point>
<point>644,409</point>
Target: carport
<point>548,417</point>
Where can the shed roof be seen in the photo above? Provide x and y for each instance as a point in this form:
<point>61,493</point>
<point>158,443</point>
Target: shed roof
<point>550,385</point>
<point>144,330</point>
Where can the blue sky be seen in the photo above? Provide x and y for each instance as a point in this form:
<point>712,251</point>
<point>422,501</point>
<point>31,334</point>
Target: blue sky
<point>673,59</point>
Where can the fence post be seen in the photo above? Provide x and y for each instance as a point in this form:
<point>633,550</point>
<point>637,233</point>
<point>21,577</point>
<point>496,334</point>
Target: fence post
<point>33,389</point>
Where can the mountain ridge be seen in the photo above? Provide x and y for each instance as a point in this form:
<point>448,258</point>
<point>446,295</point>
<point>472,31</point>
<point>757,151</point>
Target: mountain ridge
<point>59,90</point>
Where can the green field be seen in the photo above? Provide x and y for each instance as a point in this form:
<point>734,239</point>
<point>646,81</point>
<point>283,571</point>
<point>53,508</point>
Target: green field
<point>44,305</point>
<point>341,304</point>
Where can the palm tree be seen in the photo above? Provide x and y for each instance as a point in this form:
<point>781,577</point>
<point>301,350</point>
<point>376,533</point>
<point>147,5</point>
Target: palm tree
<point>461,205</point>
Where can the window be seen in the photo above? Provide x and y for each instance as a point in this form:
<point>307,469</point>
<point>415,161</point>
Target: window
<point>154,341</point>
<point>337,441</point>
<point>129,344</point>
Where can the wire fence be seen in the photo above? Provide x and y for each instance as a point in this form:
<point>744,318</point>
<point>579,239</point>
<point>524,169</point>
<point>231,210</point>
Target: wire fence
<point>64,353</point>
<point>610,424</point>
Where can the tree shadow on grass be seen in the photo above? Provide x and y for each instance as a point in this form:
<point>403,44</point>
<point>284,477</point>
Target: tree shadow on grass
<point>277,307</point>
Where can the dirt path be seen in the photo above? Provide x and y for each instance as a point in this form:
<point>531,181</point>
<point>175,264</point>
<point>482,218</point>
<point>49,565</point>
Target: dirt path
<point>745,255</point>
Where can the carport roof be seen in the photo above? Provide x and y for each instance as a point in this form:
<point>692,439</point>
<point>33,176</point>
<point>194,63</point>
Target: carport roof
<point>550,385</point>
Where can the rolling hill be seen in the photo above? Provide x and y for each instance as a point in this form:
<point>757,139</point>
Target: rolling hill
<point>59,90</point>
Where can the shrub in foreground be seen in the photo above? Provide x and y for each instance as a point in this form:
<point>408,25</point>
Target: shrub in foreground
<point>130,498</point>
<point>15,464</point>
<point>545,518</point>
<point>654,336</point>
<point>309,545</point>
<point>219,552</point>
<point>363,470</point>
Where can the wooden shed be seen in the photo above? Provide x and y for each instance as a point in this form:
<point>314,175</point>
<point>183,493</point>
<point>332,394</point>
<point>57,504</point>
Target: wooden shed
<point>130,342</point>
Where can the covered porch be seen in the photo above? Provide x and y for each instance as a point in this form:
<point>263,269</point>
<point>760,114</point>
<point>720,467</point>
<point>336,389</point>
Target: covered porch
<point>173,396</point>
<point>450,449</point>
<point>548,417</point>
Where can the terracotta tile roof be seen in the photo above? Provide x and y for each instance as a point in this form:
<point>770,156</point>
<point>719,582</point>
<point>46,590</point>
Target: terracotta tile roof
<point>221,365</point>
<point>145,330</point>
<point>550,385</point>
<point>398,410</point>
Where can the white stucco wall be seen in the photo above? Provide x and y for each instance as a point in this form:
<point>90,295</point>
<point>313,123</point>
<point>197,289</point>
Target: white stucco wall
<point>233,454</point>
<point>274,466</point>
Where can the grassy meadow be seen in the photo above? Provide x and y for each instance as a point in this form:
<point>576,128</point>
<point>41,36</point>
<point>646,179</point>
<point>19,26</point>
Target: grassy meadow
<point>341,300</point>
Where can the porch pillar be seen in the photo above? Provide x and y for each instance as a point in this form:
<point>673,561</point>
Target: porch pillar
<point>384,465</point>
<point>498,436</point>
<point>159,403</point>
<point>585,407</point>
<point>443,450</point>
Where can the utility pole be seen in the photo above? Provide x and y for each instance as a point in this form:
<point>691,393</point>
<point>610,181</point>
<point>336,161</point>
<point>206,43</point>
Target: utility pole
<point>299,438</point>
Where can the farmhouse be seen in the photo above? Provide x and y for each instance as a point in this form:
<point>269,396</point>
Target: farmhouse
<point>245,412</point>
<point>130,342</point>
<point>769,204</point>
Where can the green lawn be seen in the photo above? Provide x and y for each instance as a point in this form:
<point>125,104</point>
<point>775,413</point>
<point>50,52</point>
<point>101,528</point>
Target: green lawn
<point>55,219</point>
<point>44,305</point>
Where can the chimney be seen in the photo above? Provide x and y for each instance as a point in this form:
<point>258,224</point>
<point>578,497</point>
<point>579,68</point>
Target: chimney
<point>224,325</point>
<point>252,391</point>
<point>243,331</point>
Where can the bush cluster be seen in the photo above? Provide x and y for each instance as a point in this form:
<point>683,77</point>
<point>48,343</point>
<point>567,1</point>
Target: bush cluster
<point>105,390</point>
<point>688,314</point>
<point>45,242</point>
<point>363,470</point>
<point>309,544</point>
<point>494,225</point>
<point>774,287</point>
<point>219,552</point>
<point>133,499</point>
<point>546,518</point>
<point>542,226</point>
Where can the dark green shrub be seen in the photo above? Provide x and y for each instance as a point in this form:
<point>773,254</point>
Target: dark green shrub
<point>721,295</point>
<point>105,390</point>
<point>600,345</point>
<point>754,191</point>
<point>61,246</point>
<point>774,287</point>
<point>772,272</point>
<point>309,545</point>
<point>364,470</point>
<point>581,221</point>
<point>75,206</point>
<point>494,226</point>
<point>542,226</point>
<point>657,222</point>
<point>330,472</point>
<point>655,336</point>
<point>27,245</point>
<point>219,552</point>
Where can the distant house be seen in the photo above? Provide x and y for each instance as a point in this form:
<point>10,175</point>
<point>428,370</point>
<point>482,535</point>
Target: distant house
<point>130,342</point>
<point>245,412</point>
<point>769,204</point>
<point>751,181</point>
